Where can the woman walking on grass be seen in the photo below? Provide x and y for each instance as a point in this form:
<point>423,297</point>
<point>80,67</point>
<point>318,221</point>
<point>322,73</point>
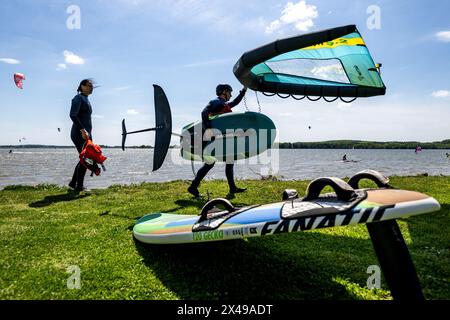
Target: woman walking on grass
<point>80,113</point>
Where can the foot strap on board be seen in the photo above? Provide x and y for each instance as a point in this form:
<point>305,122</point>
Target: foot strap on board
<point>343,190</point>
<point>372,175</point>
<point>213,203</point>
<point>344,199</point>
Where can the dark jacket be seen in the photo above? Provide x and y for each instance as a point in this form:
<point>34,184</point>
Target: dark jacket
<point>219,106</point>
<point>80,113</point>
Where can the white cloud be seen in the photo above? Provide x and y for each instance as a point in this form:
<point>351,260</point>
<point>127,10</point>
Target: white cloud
<point>201,12</point>
<point>254,25</point>
<point>209,13</point>
<point>134,2</point>
<point>9,60</point>
<point>366,116</point>
<point>441,94</point>
<point>343,106</point>
<point>124,88</point>
<point>208,63</point>
<point>299,14</point>
<point>332,72</point>
<point>286,114</point>
<point>72,58</point>
<point>274,25</point>
<point>132,112</point>
<point>443,36</point>
<point>61,66</point>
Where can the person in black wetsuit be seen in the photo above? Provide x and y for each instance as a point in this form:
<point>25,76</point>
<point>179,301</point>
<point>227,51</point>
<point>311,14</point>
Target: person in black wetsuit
<point>80,113</point>
<point>217,106</point>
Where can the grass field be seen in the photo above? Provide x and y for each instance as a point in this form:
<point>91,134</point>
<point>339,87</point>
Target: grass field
<point>46,229</point>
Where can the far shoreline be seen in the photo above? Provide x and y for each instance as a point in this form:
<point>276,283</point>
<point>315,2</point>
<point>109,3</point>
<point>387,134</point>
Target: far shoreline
<point>332,144</point>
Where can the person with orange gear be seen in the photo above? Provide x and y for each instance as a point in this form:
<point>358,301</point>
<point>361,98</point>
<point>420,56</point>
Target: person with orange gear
<point>80,113</point>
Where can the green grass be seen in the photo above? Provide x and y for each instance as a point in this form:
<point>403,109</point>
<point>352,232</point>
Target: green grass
<point>46,229</point>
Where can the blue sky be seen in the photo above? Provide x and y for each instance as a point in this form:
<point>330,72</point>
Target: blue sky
<point>189,46</point>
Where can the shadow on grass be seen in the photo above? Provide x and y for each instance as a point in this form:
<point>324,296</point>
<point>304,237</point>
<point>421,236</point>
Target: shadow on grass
<point>292,266</point>
<point>440,218</point>
<point>199,204</point>
<point>115,215</point>
<point>183,203</point>
<point>430,251</point>
<point>49,200</point>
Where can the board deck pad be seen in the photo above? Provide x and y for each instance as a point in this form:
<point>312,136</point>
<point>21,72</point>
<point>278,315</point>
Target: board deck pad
<point>280,217</point>
<point>327,203</point>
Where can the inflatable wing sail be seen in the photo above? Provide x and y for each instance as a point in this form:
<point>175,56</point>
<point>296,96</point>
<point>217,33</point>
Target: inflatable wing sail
<point>329,63</point>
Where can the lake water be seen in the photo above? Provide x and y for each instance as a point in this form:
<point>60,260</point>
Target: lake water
<point>55,166</point>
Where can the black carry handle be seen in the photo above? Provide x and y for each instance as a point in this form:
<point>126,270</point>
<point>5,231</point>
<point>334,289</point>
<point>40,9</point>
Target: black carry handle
<point>290,194</point>
<point>343,190</point>
<point>211,204</point>
<point>372,175</point>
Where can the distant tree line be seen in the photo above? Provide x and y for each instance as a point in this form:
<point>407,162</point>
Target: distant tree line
<point>357,144</point>
<point>333,144</point>
<point>37,146</point>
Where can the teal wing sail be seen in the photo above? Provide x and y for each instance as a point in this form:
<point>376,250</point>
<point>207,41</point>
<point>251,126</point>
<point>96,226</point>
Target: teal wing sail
<point>328,63</point>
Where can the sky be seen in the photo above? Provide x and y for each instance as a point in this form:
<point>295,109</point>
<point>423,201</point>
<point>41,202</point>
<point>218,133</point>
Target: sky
<point>189,46</point>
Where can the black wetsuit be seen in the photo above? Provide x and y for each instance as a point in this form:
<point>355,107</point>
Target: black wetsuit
<point>219,106</point>
<point>214,107</point>
<point>80,113</point>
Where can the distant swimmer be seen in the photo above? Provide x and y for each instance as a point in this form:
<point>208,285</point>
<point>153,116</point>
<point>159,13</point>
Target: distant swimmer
<point>10,151</point>
<point>448,155</point>
<point>344,158</point>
